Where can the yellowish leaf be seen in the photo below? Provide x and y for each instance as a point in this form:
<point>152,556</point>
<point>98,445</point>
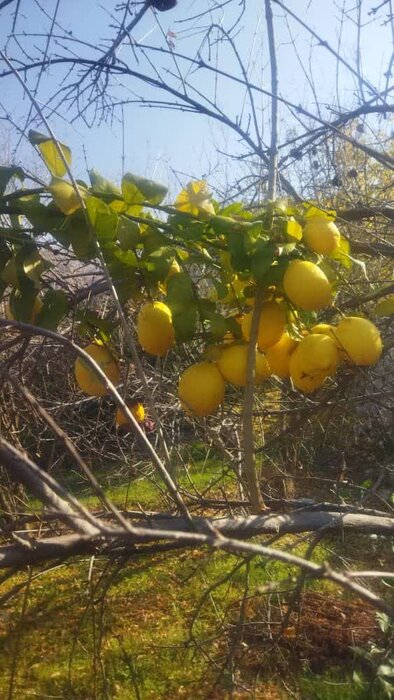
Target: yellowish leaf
<point>342,254</point>
<point>52,158</point>
<point>195,198</point>
<point>294,229</point>
<point>65,197</point>
<point>312,210</point>
<point>385,307</point>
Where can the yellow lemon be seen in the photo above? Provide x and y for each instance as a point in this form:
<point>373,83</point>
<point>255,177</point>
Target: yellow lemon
<point>323,328</point>
<point>136,409</point>
<point>306,285</point>
<point>302,381</point>
<point>360,340</point>
<point>272,323</point>
<point>87,380</point>
<point>321,235</point>
<point>201,389</point>
<point>278,355</point>
<point>154,328</point>
<point>331,331</point>
<point>232,365</point>
<point>318,353</point>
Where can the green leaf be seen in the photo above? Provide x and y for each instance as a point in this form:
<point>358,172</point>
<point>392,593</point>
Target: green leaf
<point>217,325</point>
<point>139,189</point>
<point>101,184</point>
<point>386,670</point>
<point>128,233</point>
<point>77,232</point>
<point>275,273</point>
<point>225,224</point>
<point>262,261</point>
<point>235,209</point>
<point>383,621</point>
<point>54,309</point>
<point>385,307</point>
<point>158,263</point>
<point>7,173</point>
<point>179,292</point>
<point>152,241</point>
<point>240,261</point>
<point>50,153</point>
<point>92,320</point>
<point>22,304</point>
<point>122,266</point>
<point>5,257</point>
<point>185,324</point>
<point>104,221</point>
<point>357,679</point>
<point>42,218</point>
<point>180,299</point>
<point>255,238</point>
<point>133,197</point>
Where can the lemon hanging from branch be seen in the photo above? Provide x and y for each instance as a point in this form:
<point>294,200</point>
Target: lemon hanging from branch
<point>201,389</point>
<point>307,286</point>
<point>87,379</point>
<point>321,235</point>
<point>154,328</point>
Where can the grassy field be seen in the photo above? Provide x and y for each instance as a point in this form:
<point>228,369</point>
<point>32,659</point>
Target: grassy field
<point>190,624</point>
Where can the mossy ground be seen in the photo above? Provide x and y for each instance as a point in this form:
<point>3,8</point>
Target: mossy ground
<point>163,626</point>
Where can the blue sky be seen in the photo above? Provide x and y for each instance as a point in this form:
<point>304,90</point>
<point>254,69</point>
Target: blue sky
<point>159,142</point>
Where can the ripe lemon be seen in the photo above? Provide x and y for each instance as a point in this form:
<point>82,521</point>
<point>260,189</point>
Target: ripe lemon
<point>136,409</point>
<point>307,286</point>
<point>37,306</point>
<point>154,328</point>
<point>323,328</point>
<point>318,353</point>
<point>272,323</point>
<point>232,365</point>
<point>278,355</point>
<point>321,235</point>
<point>87,380</point>
<point>201,389</point>
<point>360,340</point>
<point>302,381</point>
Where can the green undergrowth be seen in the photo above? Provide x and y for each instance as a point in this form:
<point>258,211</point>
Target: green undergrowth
<point>198,472</point>
<point>156,626</point>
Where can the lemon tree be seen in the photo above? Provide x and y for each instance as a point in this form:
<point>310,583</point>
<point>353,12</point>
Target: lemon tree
<point>192,270</point>
<point>188,276</point>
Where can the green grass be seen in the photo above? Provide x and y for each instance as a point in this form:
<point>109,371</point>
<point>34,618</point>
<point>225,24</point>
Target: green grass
<point>159,624</point>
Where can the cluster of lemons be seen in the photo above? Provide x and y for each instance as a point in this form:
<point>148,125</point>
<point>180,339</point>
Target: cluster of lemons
<point>308,361</point>
<point>308,357</point>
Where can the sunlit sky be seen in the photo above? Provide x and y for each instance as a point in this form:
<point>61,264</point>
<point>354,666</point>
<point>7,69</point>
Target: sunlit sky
<point>161,142</point>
